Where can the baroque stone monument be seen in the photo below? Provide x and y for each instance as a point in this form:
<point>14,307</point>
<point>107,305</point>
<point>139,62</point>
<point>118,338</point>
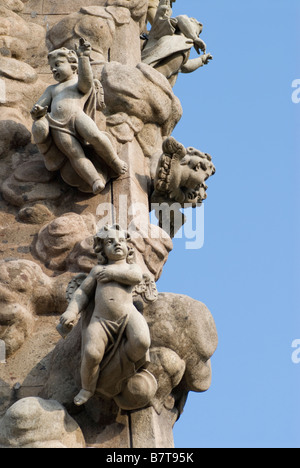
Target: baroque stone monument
<point>91,354</point>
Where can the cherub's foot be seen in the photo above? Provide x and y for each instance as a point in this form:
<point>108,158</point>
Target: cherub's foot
<point>82,397</point>
<point>98,186</point>
<point>120,167</point>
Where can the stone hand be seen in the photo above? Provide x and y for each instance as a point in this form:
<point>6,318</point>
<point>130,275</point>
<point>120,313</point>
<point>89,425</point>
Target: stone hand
<point>68,319</point>
<point>105,275</point>
<point>84,49</point>
<point>206,58</point>
<point>37,112</point>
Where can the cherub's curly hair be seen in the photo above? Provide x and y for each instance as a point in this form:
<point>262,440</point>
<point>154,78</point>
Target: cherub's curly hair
<point>64,52</point>
<point>99,243</point>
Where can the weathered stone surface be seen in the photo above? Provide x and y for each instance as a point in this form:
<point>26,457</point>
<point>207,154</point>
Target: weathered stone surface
<point>19,39</point>
<point>12,134</point>
<point>22,378</point>
<point>57,239</point>
<point>154,246</point>
<point>36,423</point>
<point>185,326</point>
<point>141,92</point>
<point>22,187</point>
<point>150,429</point>
<point>37,214</point>
<point>25,293</point>
<point>20,87</point>
<point>94,23</point>
<point>17,70</point>
<point>137,8</point>
<point>13,5</point>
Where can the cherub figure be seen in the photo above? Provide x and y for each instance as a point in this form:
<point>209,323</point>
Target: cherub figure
<point>170,41</point>
<point>62,113</point>
<point>110,284</point>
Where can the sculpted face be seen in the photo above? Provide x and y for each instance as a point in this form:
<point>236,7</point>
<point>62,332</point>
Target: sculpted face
<point>199,167</point>
<point>115,245</point>
<point>61,68</point>
<point>197,175</point>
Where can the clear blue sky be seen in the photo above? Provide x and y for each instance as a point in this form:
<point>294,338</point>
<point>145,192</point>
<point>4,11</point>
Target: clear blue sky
<point>239,109</point>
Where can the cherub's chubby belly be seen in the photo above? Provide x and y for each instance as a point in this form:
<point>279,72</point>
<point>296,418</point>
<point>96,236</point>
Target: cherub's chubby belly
<point>112,301</point>
<point>63,111</point>
<point>66,103</point>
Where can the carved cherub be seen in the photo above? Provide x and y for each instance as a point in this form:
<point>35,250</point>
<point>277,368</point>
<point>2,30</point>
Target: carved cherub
<point>110,284</point>
<point>170,41</point>
<point>61,114</point>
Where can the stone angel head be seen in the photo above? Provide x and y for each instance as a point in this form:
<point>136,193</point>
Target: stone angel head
<point>111,243</point>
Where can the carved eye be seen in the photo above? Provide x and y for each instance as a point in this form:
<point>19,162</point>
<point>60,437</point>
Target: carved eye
<point>197,167</point>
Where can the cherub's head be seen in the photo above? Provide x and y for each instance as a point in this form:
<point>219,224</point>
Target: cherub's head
<point>111,245</point>
<point>63,63</point>
<point>197,161</point>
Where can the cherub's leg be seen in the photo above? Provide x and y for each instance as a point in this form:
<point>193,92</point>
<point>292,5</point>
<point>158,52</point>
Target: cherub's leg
<point>138,337</point>
<point>94,344</point>
<point>71,147</point>
<point>89,131</point>
<point>40,130</point>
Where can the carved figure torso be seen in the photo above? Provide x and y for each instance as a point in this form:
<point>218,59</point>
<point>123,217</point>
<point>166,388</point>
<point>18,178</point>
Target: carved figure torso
<point>113,300</point>
<point>67,100</point>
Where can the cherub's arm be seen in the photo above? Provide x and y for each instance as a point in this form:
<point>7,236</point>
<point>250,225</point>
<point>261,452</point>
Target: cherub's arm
<point>46,98</point>
<point>85,73</point>
<point>129,275</point>
<point>80,300</point>
<point>193,64</point>
<point>42,105</point>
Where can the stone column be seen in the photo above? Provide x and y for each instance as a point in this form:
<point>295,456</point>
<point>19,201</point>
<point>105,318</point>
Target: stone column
<point>50,226</point>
